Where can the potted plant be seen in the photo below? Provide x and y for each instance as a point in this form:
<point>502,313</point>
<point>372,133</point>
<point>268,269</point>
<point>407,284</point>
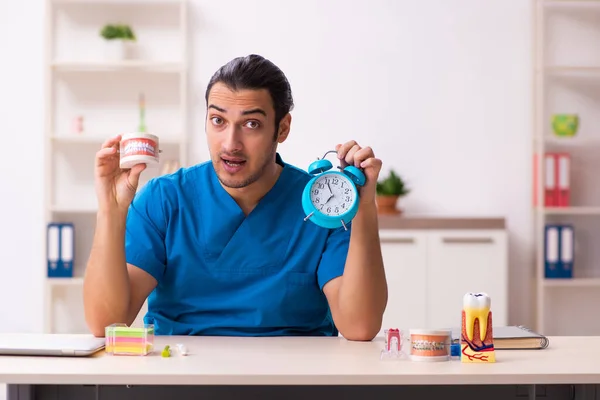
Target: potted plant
<point>389,190</point>
<point>119,40</point>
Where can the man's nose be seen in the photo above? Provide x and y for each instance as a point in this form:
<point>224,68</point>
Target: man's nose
<point>232,141</point>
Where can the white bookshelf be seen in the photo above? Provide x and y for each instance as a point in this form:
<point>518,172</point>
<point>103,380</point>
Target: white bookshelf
<point>567,80</point>
<point>82,81</point>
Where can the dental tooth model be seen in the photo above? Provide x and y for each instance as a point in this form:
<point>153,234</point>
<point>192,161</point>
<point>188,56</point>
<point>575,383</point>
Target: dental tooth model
<point>393,344</point>
<point>477,340</point>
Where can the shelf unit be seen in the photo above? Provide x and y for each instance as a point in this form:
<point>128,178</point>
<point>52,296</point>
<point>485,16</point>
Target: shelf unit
<point>567,80</point>
<point>81,81</point>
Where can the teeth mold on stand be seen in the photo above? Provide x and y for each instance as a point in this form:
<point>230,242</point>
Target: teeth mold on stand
<point>423,345</point>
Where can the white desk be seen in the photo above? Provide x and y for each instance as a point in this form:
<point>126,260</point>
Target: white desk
<point>305,361</point>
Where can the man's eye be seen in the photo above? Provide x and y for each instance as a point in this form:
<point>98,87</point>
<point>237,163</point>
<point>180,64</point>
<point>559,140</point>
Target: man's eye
<point>252,124</point>
<point>216,120</point>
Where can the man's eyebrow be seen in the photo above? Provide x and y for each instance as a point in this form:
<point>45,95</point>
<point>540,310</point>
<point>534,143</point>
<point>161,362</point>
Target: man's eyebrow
<point>217,108</point>
<point>255,111</point>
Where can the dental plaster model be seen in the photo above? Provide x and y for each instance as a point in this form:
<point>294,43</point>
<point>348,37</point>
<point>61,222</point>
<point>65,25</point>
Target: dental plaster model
<point>476,339</point>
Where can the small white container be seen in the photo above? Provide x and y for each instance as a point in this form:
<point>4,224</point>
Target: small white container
<point>139,148</point>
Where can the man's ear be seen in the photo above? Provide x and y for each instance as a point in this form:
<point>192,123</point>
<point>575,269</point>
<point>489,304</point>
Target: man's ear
<point>284,128</point>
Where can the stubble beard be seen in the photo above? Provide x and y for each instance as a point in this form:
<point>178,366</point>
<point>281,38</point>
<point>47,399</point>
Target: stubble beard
<point>237,184</point>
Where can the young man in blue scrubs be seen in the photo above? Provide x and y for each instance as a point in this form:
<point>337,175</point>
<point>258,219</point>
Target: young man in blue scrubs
<point>222,248</point>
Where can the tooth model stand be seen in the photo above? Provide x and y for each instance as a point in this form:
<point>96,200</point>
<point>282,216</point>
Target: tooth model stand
<point>476,339</point>
<point>393,344</point>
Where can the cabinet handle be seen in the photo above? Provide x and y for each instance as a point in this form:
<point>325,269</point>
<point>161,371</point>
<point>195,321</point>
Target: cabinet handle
<point>467,240</point>
<point>398,240</point>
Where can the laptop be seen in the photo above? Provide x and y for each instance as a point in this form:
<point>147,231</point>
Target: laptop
<point>55,344</point>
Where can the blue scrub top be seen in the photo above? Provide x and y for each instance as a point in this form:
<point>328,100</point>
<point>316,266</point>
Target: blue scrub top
<point>222,273</point>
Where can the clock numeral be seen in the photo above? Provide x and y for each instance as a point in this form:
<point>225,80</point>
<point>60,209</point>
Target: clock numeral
<point>347,198</point>
<point>335,181</point>
<point>346,191</point>
<point>343,205</point>
<point>321,186</point>
<point>337,210</point>
<point>316,192</point>
<point>329,209</point>
<point>317,200</point>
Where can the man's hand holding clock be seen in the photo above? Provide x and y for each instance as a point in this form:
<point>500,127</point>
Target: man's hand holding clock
<point>351,153</point>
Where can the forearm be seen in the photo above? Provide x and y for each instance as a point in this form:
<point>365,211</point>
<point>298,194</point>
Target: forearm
<point>106,282</point>
<point>362,296</point>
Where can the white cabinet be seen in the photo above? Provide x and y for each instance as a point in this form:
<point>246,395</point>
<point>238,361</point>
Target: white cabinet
<point>429,271</point>
<point>465,261</point>
<point>405,260</point>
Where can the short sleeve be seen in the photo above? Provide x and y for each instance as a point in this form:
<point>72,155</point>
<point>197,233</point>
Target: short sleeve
<point>145,231</point>
<point>333,259</point>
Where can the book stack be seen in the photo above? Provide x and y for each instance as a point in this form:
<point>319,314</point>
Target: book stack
<point>513,337</point>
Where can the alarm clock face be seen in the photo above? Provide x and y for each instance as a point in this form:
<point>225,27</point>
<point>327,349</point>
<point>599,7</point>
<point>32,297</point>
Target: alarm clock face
<point>333,194</point>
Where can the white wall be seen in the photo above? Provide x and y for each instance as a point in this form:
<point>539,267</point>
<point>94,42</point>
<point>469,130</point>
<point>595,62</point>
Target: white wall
<point>439,88</point>
<point>21,191</point>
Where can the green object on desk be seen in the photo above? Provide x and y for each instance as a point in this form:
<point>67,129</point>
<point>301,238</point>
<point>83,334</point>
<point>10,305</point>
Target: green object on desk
<point>166,352</point>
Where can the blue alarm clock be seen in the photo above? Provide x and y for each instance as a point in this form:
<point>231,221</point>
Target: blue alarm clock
<point>330,199</point>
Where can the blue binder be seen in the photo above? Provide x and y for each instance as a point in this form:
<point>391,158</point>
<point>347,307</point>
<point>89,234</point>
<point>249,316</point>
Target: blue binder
<point>60,250</point>
<point>551,250</point>
<point>567,240</point>
<point>559,251</point>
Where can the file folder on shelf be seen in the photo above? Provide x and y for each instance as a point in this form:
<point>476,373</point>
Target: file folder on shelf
<point>558,251</point>
<point>60,250</point>
<point>567,237</point>
<point>555,177</point>
<point>550,172</point>
<point>563,166</point>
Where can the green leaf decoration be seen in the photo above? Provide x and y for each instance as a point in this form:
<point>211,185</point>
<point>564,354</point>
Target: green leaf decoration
<point>117,31</point>
<point>392,185</point>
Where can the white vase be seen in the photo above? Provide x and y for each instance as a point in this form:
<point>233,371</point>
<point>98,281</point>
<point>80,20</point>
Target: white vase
<point>118,50</point>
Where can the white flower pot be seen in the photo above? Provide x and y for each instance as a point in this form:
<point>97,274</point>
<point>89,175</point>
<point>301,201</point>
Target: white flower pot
<point>118,50</point>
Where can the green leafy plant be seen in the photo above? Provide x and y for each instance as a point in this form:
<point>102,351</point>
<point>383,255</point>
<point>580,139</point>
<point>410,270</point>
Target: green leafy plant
<point>117,31</point>
<point>392,185</point>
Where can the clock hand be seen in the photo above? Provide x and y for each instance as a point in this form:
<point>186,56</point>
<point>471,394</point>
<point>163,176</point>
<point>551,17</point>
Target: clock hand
<point>330,191</point>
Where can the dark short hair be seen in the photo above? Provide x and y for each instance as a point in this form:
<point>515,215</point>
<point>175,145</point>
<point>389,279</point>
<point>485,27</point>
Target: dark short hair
<point>256,72</point>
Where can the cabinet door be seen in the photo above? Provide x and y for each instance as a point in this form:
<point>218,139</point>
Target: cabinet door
<point>465,261</point>
<point>405,260</point>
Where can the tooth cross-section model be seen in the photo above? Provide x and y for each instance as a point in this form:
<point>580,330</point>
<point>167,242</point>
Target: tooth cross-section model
<point>477,340</point>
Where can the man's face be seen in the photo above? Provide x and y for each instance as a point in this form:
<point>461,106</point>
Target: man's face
<point>240,129</point>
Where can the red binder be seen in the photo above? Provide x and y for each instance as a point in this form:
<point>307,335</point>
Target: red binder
<point>563,184</point>
<point>556,173</point>
<point>550,180</point>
